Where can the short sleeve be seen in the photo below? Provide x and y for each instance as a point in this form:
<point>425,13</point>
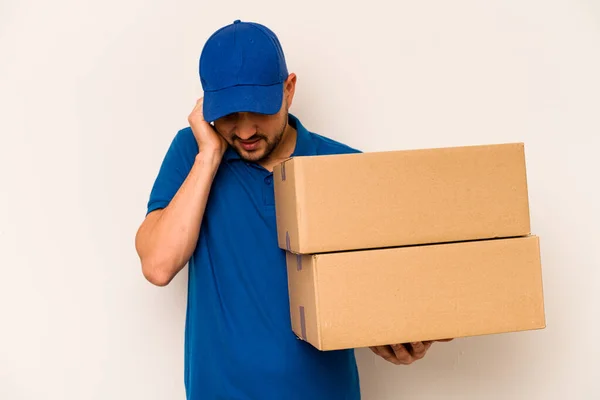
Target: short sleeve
<point>175,167</point>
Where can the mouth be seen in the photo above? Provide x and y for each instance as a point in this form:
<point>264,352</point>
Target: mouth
<point>250,145</point>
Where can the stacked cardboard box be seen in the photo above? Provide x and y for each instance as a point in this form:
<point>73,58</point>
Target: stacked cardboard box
<point>411,245</point>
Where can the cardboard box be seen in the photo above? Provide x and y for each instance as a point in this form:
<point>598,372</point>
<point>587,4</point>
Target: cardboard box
<point>396,198</point>
<point>377,297</point>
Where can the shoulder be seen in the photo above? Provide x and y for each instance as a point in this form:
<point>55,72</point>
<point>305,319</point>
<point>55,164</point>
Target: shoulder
<point>180,154</point>
<point>183,147</point>
<point>185,141</point>
<point>318,144</point>
<point>327,146</point>
<point>174,168</point>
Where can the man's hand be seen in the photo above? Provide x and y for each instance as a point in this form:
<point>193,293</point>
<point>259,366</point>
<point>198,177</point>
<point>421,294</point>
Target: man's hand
<point>207,137</point>
<point>404,354</point>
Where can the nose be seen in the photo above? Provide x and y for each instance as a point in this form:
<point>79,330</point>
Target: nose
<point>246,127</point>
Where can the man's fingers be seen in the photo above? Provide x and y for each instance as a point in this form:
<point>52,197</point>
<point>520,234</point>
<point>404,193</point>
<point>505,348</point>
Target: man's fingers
<point>402,354</point>
<point>375,350</point>
<point>386,353</point>
<point>419,349</point>
<point>198,111</point>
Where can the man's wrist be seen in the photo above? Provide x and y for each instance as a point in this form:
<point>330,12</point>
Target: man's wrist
<point>209,158</point>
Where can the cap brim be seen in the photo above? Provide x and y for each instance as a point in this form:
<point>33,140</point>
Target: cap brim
<point>245,98</point>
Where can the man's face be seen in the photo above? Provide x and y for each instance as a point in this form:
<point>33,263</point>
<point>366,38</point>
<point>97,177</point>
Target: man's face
<point>253,136</point>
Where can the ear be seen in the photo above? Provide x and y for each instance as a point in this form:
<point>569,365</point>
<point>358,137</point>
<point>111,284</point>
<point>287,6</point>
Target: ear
<point>289,88</point>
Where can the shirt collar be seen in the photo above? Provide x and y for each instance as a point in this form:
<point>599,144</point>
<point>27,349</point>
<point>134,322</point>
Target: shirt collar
<point>305,146</point>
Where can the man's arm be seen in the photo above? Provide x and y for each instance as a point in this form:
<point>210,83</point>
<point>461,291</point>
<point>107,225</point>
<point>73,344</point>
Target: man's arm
<point>167,238</point>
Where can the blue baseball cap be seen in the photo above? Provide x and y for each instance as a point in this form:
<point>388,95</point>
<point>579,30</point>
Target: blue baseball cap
<point>242,69</point>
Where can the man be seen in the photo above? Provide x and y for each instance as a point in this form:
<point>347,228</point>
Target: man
<point>212,204</point>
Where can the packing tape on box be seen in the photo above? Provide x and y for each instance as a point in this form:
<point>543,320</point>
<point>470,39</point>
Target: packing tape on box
<point>302,323</point>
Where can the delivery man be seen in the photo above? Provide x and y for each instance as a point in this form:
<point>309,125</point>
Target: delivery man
<point>212,205</point>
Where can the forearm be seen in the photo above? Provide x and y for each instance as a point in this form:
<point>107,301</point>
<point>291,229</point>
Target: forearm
<point>166,241</point>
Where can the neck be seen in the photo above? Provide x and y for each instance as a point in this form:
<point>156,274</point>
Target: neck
<point>284,149</point>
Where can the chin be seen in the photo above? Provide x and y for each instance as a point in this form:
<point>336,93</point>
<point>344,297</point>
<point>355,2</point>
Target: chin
<point>253,156</point>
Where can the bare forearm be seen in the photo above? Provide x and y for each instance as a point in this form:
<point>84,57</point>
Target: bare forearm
<point>166,240</point>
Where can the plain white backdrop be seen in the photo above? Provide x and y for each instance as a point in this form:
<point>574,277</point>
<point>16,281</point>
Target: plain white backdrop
<point>91,94</point>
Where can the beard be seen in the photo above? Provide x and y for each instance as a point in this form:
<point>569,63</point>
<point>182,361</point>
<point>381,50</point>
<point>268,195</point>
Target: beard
<point>263,153</point>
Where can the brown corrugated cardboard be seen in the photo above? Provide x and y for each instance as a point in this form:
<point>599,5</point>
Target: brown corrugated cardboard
<point>396,198</point>
<point>414,293</point>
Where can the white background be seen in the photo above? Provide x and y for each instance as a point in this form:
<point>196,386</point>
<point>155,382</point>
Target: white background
<point>91,94</point>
